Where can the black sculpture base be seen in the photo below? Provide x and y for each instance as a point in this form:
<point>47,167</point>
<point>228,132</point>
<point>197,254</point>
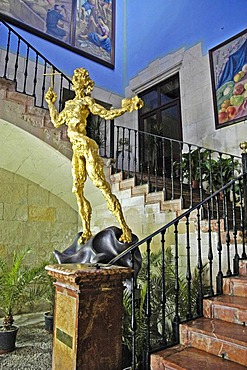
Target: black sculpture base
<point>101,248</point>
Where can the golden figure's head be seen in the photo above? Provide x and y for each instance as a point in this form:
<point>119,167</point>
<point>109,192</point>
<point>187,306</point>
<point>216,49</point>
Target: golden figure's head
<point>82,81</point>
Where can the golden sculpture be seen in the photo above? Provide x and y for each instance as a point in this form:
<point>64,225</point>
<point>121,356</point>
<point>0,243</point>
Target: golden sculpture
<point>86,159</point>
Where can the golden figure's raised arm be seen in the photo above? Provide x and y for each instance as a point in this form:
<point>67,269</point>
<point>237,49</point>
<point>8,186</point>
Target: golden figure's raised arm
<point>128,105</point>
<point>57,118</point>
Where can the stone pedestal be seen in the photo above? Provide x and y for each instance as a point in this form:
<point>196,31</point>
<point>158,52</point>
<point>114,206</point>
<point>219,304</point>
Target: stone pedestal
<point>88,312</point>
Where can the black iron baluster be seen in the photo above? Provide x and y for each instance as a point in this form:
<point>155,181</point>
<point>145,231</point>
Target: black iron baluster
<point>172,169</point>
<point>17,59</point>
<point>60,94</point>
<point>155,164</point>
<point>244,168</point>
<point>123,142</point>
<point>234,226</point>
<point>43,85</point>
<point>210,250</point>
<point>112,139</point>
<point>164,169</point>
<point>242,210</point>
<point>219,277</point>
<point>181,174</point>
<point>188,271</point>
<point>227,228</point>
<point>190,176</point>
<point>133,311</point>
<point>129,151</point>
<point>117,148</point>
<point>176,319</point>
<point>222,184</point>
<point>7,55</point>
<point>135,153</point>
<point>148,306</point>
<point>163,292</point>
<point>35,75</point>
<point>141,157</point>
<point>26,70</point>
<point>200,173</point>
<point>148,171</point>
<point>105,138</point>
<point>199,266</point>
<point>211,178</point>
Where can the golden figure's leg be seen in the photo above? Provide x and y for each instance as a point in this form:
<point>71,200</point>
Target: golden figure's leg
<point>95,170</point>
<point>79,177</point>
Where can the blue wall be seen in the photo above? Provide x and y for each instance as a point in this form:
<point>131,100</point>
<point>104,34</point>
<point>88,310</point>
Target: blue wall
<point>149,29</point>
<point>158,27</point>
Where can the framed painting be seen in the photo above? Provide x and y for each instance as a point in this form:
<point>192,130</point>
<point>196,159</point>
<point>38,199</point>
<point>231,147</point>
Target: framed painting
<point>228,64</point>
<point>86,27</point>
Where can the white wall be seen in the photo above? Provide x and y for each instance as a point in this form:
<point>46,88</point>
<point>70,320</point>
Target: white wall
<point>196,99</point>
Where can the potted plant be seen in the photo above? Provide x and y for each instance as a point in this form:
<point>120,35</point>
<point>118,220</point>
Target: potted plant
<point>49,297</point>
<point>221,170</point>
<point>193,166</point>
<point>19,286</point>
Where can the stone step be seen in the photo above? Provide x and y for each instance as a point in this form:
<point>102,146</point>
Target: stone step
<point>116,177</point>
<point>33,119</point>
<point>127,184</point>
<point>7,85</point>
<point>227,308</point>
<point>236,286</point>
<point>171,205</point>
<point>20,98</point>
<point>188,358</point>
<point>217,337</point>
<point>243,267</point>
<point>155,197</point>
<point>139,190</point>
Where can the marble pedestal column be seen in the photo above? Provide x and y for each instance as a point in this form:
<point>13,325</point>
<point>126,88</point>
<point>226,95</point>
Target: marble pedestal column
<point>88,312</point>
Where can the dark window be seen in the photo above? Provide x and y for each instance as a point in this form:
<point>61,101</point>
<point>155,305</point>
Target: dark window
<point>161,116</point>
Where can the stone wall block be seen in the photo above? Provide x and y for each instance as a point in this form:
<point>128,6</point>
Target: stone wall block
<point>10,193</point>
<point>14,212</point>
<point>43,214</point>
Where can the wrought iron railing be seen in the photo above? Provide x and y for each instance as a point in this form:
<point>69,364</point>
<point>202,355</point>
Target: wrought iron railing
<point>183,262</point>
<point>166,165</point>
<point>178,169</point>
<point>28,68</point>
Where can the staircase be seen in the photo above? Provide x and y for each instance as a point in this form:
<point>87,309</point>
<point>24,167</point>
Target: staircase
<point>19,109</point>
<point>218,340</point>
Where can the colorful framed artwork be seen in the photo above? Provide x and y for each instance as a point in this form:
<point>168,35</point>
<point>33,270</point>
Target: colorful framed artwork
<point>228,63</point>
<point>86,27</point>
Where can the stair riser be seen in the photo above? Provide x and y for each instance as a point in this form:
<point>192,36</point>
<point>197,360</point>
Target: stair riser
<point>235,288</point>
<point>243,268</point>
<point>229,314</point>
<point>216,346</point>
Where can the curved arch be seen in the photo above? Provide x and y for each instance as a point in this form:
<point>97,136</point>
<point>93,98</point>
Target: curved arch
<point>26,155</point>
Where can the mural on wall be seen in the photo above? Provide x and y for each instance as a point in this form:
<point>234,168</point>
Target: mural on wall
<point>228,63</point>
<point>83,26</point>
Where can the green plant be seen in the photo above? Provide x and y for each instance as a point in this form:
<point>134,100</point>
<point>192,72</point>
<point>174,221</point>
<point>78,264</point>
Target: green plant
<point>221,170</point>
<point>19,285</point>
<point>156,318</point>
<point>193,164</point>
